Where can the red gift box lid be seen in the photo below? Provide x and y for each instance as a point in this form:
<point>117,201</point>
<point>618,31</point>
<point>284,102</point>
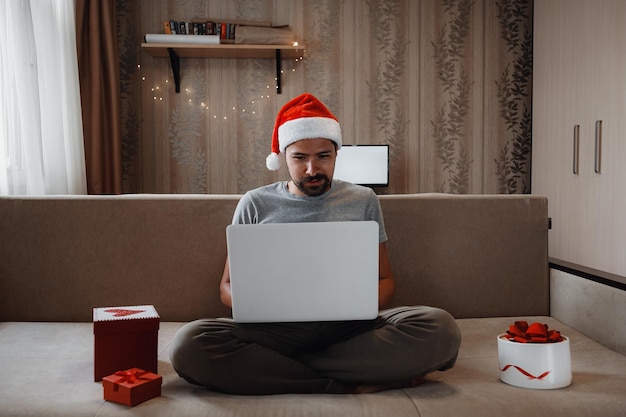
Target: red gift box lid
<point>125,319</point>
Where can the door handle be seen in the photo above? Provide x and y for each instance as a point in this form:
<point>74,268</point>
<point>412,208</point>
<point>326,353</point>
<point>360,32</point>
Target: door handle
<point>576,149</point>
<point>597,165</point>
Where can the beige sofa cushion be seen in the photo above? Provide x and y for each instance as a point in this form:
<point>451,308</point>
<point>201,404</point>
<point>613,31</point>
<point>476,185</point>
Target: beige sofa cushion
<point>474,256</point>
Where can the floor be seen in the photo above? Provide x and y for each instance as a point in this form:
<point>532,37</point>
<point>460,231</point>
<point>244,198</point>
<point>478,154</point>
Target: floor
<point>47,370</point>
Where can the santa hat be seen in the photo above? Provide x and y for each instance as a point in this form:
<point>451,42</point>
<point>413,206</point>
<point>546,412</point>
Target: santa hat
<point>304,117</point>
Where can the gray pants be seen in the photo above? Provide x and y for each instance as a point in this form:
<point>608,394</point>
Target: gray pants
<point>321,357</point>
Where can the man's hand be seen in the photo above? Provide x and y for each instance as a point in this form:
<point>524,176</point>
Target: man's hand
<point>225,292</point>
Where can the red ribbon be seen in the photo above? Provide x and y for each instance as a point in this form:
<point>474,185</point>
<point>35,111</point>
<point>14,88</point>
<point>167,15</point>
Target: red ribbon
<point>131,376</point>
<point>521,332</point>
<point>528,374</point>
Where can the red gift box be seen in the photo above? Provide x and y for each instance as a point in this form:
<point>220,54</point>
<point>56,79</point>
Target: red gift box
<point>125,337</point>
<point>131,387</point>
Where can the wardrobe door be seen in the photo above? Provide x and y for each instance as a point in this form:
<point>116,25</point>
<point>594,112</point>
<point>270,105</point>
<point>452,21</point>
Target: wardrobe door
<point>578,128</point>
<point>559,95</point>
<point>608,120</point>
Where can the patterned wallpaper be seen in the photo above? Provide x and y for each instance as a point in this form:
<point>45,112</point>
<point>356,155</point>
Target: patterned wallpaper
<point>445,83</point>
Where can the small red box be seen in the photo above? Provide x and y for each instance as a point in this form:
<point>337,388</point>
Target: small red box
<point>125,337</point>
<point>131,387</point>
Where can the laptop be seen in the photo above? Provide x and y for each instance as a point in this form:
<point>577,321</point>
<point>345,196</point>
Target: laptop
<point>299,272</point>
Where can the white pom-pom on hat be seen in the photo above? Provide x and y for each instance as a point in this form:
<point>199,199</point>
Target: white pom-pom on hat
<point>273,162</point>
<point>304,117</point>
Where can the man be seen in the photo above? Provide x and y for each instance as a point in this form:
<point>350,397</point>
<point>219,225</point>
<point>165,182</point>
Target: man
<point>395,350</point>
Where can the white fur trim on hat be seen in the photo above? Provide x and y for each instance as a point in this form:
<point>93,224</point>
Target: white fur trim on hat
<point>308,128</point>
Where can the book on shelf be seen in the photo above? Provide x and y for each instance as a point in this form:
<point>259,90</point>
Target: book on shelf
<point>190,39</point>
<point>224,30</point>
<point>173,27</point>
<point>215,31</point>
<point>234,21</point>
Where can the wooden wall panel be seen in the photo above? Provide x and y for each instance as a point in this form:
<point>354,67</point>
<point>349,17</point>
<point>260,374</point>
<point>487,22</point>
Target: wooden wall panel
<point>428,77</point>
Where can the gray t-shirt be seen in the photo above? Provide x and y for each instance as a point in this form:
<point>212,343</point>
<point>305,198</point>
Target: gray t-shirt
<point>274,203</point>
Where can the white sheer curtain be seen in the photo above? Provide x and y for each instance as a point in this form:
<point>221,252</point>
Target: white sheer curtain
<point>41,134</point>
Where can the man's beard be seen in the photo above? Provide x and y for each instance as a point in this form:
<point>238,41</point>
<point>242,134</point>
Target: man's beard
<point>313,190</point>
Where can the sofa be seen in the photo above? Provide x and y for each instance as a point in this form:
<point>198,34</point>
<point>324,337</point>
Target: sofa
<point>483,258</point>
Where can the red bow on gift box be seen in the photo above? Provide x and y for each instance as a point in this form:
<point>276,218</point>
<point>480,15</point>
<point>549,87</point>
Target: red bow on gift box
<point>521,332</point>
<point>131,376</point>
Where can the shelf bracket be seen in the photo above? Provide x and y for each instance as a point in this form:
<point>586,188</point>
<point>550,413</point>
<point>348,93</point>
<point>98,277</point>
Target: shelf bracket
<point>175,62</point>
<point>279,71</point>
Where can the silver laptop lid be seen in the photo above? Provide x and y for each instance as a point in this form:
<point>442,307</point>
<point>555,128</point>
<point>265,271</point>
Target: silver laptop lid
<point>294,272</point>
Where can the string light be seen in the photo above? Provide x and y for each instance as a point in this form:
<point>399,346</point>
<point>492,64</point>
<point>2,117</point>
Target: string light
<point>249,108</point>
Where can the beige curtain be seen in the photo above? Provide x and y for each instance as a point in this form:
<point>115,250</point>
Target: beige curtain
<point>99,73</point>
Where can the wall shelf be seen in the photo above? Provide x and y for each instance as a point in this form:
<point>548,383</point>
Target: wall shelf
<point>175,51</point>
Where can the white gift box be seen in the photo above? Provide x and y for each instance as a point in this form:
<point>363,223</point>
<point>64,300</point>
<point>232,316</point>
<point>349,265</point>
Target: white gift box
<point>535,365</point>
